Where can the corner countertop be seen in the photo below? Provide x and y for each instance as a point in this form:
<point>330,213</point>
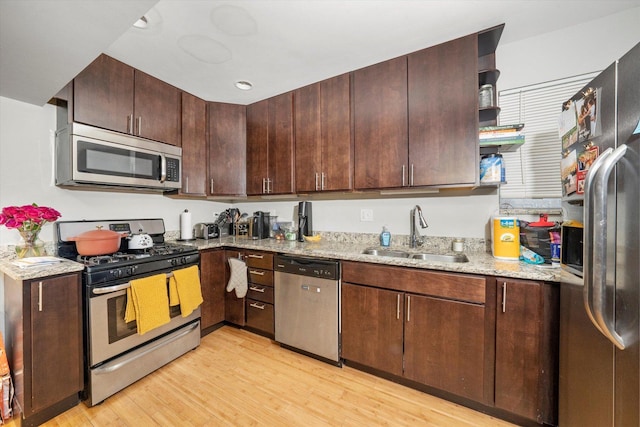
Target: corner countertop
<point>479,262</point>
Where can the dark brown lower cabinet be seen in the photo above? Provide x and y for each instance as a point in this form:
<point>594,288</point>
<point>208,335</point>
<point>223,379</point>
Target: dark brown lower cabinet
<point>372,324</point>
<point>234,307</point>
<point>260,293</point>
<point>213,280</point>
<point>444,345</point>
<point>526,349</point>
<point>43,323</point>
<point>442,341</point>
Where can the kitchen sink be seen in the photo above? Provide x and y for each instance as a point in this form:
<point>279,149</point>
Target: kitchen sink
<point>426,256</point>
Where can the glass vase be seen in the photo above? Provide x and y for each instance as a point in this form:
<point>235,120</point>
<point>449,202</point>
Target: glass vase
<point>31,245</point>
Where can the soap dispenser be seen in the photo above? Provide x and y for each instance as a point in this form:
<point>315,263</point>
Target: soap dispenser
<point>385,237</point>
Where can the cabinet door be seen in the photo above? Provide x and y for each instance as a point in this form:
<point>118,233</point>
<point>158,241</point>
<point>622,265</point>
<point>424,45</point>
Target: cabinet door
<point>280,157</point>
<point>56,341</point>
<point>523,382</point>
<point>337,144</point>
<point>443,114</point>
<point>444,345</point>
<point>234,307</point>
<point>157,109</point>
<point>194,148</point>
<point>257,147</point>
<point>214,282</point>
<point>380,116</point>
<point>103,95</point>
<point>227,149</point>
<point>372,327</point>
<point>308,138</point>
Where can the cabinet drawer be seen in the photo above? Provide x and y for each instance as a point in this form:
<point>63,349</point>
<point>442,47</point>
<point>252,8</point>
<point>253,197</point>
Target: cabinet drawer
<point>259,260</point>
<point>462,287</point>
<point>260,316</point>
<point>259,276</point>
<point>260,293</point>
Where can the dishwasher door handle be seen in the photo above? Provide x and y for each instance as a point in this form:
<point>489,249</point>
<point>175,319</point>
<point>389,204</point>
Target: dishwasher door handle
<point>310,288</point>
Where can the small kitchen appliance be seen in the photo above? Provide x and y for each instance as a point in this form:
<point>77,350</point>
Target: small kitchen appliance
<point>116,355</point>
<point>204,230</point>
<point>305,227</point>
<point>260,225</point>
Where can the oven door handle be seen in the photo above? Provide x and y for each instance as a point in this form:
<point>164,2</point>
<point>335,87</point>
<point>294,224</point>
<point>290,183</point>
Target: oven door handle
<point>116,288</point>
<point>110,289</point>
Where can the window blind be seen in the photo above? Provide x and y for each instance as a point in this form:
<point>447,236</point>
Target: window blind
<point>533,171</point>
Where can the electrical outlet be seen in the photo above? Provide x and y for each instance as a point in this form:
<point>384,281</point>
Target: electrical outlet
<point>366,215</point>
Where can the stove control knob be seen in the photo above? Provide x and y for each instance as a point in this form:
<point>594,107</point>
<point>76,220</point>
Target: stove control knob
<point>117,273</point>
<point>183,260</point>
<point>174,262</point>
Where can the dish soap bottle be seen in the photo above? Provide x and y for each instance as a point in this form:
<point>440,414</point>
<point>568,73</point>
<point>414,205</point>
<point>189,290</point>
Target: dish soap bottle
<point>385,237</point>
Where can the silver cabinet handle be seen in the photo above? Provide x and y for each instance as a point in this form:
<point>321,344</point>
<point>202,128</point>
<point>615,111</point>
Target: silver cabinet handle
<point>588,238</point>
<point>264,185</point>
<point>130,124</point>
<point>269,189</point>
<point>257,273</point>
<point>408,308</point>
<point>39,296</point>
<point>398,308</point>
<point>139,121</point>
<point>404,169</point>
<point>186,179</point>
<point>317,187</point>
<point>322,180</point>
<point>256,305</point>
<point>504,297</point>
<point>411,176</point>
<point>211,186</point>
<point>256,289</point>
<point>600,221</point>
<point>256,256</point>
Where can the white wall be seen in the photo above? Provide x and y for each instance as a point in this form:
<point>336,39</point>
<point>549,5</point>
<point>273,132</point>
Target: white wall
<point>574,50</point>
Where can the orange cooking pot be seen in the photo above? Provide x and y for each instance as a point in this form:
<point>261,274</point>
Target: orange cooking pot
<point>97,242</point>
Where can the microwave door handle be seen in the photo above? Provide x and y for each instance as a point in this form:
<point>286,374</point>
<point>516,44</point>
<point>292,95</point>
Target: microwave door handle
<point>600,297</point>
<point>588,236</point>
<point>163,168</point>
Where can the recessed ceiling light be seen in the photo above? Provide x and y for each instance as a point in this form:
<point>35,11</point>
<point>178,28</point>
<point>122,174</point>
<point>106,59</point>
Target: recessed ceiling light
<point>243,85</point>
<point>141,23</point>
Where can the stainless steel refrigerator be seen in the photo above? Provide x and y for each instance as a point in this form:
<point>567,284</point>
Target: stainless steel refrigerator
<point>599,375</point>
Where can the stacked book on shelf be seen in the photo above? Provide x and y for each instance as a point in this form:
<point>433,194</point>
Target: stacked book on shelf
<point>504,135</point>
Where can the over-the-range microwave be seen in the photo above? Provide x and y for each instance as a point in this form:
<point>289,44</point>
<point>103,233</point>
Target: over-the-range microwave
<point>87,157</point>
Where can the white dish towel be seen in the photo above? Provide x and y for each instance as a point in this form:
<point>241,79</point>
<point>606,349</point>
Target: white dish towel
<point>238,279</point>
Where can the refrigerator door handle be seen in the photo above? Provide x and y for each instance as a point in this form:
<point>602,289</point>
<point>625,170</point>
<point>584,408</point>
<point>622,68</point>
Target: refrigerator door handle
<point>607,324</point>
<point>588,239</point>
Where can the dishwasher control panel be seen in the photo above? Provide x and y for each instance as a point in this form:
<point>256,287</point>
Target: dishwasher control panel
<point>314,267</point>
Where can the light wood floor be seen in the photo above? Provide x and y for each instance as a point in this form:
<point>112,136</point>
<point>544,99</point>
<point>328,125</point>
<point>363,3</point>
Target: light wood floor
<point>236,378</point>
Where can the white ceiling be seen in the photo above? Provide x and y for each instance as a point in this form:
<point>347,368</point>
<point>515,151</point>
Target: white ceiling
<point>204,46</point>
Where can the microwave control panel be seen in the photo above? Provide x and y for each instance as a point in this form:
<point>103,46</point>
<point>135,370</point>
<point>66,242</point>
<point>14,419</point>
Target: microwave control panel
<point>173,170</point>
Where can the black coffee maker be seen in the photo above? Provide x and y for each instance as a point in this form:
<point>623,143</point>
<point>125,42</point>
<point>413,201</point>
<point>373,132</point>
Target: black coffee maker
<point>305,227</point>
<point>260,225</point>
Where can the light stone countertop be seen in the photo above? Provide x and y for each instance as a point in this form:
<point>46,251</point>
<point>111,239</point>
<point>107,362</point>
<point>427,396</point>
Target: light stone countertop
<point>340,246</point>
<point>480,262</point>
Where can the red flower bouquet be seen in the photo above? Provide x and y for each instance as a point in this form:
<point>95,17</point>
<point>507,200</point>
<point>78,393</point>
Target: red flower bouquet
<point>28,220</point>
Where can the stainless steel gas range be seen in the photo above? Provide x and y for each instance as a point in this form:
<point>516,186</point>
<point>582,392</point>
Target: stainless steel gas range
<point>116,355</point>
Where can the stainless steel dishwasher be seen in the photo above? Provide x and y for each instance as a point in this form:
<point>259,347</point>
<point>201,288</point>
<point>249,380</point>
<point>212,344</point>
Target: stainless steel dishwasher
<point>307,306</point>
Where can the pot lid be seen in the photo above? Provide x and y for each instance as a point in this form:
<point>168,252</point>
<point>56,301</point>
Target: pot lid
<point>98,234</point>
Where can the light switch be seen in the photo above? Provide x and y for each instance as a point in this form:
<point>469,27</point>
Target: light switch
<point>366,214</point>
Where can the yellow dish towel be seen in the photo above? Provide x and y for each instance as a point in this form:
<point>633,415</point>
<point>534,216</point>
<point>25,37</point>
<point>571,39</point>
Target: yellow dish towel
<point>187,282</point>
<point>148,303</point>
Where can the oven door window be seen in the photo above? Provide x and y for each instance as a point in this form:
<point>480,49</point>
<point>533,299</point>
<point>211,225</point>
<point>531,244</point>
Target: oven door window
<point>107,160</point>
<point>118,328</point>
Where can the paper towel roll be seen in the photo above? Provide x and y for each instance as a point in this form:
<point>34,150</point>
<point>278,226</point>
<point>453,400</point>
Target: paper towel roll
<point>186,230</point>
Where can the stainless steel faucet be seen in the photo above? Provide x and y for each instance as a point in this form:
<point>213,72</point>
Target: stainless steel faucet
<point>414,238</point>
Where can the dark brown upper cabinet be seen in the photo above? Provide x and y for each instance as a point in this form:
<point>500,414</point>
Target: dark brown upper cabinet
<point>324,153</point>
<point>270,151</point>
<point>194,145</point>
<point>112,95</point>
<point>227,149</point>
